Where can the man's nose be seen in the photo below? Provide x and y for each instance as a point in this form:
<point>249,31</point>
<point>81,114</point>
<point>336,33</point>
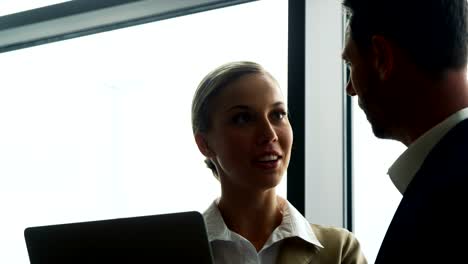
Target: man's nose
<point>350,89</point>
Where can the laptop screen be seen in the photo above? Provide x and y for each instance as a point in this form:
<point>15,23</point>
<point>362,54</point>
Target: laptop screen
<point>168,238</point>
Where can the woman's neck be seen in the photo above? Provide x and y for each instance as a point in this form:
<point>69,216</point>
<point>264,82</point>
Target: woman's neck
<point>253,216</point>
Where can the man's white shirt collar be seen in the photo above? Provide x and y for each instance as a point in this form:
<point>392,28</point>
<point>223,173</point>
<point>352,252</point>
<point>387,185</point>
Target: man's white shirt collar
<point>405,167</point>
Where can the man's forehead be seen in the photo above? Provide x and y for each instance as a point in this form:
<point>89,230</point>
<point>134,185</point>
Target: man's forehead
<point>347,34</point>
<point>347,28</point>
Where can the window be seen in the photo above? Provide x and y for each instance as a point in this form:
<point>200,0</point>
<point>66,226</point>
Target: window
<point>375,197</point>
<point>11,6</point>
<point>98,127</point>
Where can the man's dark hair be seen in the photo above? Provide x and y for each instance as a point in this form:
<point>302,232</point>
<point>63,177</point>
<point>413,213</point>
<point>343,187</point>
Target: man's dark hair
<point>432,32</point>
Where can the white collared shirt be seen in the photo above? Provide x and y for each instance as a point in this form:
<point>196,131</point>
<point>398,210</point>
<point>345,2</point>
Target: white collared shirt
<point>405,167</point>
<point>229,247</point>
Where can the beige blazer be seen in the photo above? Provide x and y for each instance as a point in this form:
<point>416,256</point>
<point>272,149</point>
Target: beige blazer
<point>339,246</point>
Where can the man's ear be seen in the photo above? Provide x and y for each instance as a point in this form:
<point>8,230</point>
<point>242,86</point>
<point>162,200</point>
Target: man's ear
<point>203,145</point>
<point>384,56</point>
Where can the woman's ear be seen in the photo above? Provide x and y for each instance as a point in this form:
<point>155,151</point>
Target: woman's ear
<point>203,145</point>
<point>384,57</point>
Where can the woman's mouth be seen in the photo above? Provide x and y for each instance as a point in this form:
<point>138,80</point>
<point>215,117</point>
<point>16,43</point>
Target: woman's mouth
<point>268,161</point>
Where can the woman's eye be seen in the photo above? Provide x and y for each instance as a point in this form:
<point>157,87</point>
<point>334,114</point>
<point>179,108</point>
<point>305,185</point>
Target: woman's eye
<point>241,118</point>
<point>279,115</point>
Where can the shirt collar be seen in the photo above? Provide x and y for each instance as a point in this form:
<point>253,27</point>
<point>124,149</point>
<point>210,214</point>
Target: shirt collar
<point>215,225</point>
<point>292,225</point>
<point>405,167</point>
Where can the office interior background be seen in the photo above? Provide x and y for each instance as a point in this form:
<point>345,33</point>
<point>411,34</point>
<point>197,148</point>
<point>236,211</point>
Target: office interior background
<point>95,112</point>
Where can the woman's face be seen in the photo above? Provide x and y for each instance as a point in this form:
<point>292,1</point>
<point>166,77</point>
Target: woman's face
<point>250,136</point>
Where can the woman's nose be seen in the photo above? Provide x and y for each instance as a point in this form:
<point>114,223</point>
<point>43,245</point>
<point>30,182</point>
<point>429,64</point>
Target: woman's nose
<point>267,133</point>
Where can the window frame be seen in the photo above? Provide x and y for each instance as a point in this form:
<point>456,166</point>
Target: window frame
<point>323,155</point>
<point>84,17</point>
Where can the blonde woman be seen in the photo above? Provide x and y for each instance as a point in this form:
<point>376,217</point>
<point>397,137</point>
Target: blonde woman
<point>240,124</point>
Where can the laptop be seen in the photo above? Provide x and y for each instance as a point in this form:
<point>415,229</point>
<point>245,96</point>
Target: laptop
<point>167,238</point>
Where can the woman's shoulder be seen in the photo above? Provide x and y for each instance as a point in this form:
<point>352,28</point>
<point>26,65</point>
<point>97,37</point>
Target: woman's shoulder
<point>336,239</point>
<point>337,246</point>
<point>326,233</point>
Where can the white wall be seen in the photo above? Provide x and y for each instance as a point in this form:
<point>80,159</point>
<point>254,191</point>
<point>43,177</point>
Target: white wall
<point>324,113</point>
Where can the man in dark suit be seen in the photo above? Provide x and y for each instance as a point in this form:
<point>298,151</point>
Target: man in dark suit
<point>408,68</point>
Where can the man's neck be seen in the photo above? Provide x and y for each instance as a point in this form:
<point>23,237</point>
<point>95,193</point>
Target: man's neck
<point>438,100</point>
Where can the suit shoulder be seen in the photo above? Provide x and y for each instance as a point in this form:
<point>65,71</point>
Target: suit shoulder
<point>331,233</point>
<point>339,240</point>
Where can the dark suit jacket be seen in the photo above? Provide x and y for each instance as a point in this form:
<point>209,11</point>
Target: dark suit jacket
<point>431,222</point>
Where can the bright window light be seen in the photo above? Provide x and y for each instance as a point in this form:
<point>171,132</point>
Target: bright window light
<point>99,127</point>
<point>375,196</point>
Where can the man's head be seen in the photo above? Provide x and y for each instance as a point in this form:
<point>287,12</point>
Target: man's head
<point>433,33</point>
<point>396,50</point>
